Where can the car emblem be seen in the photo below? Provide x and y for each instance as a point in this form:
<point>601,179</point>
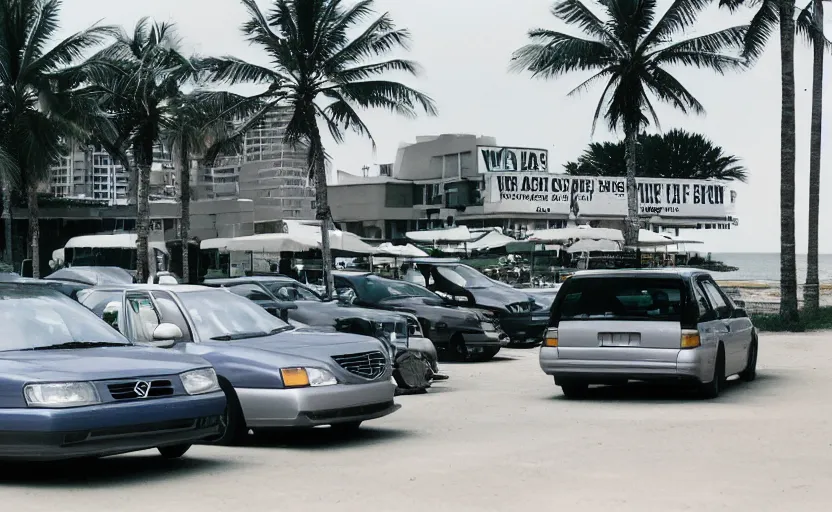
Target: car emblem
<point>142,389</point>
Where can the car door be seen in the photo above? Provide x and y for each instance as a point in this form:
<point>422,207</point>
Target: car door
<point>740,327</point>
<point>139,317</point>
<point>731,340</point>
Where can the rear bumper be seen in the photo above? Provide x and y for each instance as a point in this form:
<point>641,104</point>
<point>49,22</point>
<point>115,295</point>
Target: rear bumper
<point>108,429</point>
<point>308,407</point>
<point>679,364</point>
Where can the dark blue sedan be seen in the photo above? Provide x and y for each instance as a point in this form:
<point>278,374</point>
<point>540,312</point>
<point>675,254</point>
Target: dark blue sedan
<point>72,386</point>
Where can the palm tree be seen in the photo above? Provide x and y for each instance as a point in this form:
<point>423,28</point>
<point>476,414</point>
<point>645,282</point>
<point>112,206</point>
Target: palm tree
<point>146,73</point>
<point>676,154</point>
<point>40,104</point>
<point>201,126</point>
<point>769,14</point>
<point>322,72</point>
<point>633,54</point>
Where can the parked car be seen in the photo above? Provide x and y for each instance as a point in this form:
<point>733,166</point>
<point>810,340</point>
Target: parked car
<point>522,314</point>
<point>460,333</point>
<point>292,300</point>
<point>611,326</point>
<point>70,386</point>
<point>273,375</point>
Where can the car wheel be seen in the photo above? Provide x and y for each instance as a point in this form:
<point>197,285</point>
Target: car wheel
<point>350,427</point>
<point>714,387</point>
<point>750,372</point>
<point>233,423</point>
<point>173,452</point>
<point>574,390</point>
<point>459,352</point>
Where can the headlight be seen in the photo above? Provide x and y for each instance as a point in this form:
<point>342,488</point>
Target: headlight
<point>487,326</point>
<point>197,382</point>
<point>307,377</point>
<point>61,394</point>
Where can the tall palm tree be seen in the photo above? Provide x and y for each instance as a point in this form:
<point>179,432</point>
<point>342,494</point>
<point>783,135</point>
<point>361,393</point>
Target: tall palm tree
<point>146,73</point>
<point>768,16</point>
<point>632,54</point>
<point>40,103</point>
<point>201,126</point>
<point>322,72</point>
<point>675,154</point>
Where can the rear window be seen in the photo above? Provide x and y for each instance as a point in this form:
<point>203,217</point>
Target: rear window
<point>620,298</point>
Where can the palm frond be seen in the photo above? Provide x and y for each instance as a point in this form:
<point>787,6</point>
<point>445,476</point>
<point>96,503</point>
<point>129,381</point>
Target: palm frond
<point>667,88</point>
<point>392,96</point>
<point>602,101</point>
<point>574,12</point>
<point>555,53</point>
<point>72,48</point>
<point>340,114</point>
<point>762,25</point>
<point>591,80</point>
<point>630,21</point>
<point>380,37</point>
<point>805,27</point>
<point>44,24</point>
<point>9,170</point>
<point>679,17</point>
<point>363,72</point>
<point>236,71</point>
<point>705,51</point>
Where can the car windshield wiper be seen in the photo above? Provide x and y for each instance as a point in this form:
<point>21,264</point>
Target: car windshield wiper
<point>79,344</point>
<point>247,335</point>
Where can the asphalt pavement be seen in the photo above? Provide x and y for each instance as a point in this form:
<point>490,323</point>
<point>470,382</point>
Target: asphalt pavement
<point>500,436</point>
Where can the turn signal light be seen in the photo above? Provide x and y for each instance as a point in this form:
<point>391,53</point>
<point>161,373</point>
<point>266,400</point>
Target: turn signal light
<point>294,377</point>
<point>551,338</point>
<point>690,339</point>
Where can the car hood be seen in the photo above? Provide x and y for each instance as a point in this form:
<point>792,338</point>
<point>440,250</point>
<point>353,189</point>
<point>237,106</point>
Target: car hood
<point>326,313</point>
<point>313,343</point>
<point>100,363</point>
<point>500,297</point>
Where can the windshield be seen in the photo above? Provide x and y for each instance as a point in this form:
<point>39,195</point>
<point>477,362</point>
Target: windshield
<point>218,314</point>
<point>34,319</point>
<point>466,277</point>
<point>290,291</point>
<point>376,289</point>
<point>620,298</point>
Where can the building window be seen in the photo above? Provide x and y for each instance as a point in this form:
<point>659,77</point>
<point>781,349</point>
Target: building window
<point>418,194</point>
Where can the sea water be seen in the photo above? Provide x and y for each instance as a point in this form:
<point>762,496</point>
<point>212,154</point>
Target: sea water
<point>766,267</point>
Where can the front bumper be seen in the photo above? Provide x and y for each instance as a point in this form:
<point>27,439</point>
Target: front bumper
<point>309,407</point>
<point>108,429</point>
<point>525,328</point>
<point>485,339</point>
<point>696,364</point>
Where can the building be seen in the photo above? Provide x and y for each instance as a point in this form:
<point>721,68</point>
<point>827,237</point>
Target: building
<point>451,179</point>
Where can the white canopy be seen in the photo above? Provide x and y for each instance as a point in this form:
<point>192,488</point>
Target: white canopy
<point>491,240</point>
<point>214,243</point>
<point>594,246</point>
<point>400,251</point>
<point>118,241</point>
<point>284,242</point>
<point>458,234</point>
<point>576,233</point>
<point>647,238</point>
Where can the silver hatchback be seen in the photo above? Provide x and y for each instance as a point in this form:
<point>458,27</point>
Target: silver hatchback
<point>613,326</point>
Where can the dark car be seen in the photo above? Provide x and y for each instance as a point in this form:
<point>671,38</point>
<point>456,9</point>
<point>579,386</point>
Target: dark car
<point>291,300</point>
<point>71,386</point>
<point>459,333</point>
<point>523,315</point>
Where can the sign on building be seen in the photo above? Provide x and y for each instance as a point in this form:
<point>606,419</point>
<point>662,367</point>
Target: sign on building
<point>492,159</point>
<point>600,196</point>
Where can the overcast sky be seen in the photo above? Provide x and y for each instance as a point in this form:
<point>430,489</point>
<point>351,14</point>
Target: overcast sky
<point>465,46</point>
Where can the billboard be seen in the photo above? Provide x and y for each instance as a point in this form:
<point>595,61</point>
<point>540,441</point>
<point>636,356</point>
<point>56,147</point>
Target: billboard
<point>491,159</point>
<point>601,196</point>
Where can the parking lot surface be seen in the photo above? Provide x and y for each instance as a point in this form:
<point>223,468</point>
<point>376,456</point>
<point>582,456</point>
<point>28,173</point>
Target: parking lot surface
<point>500,436</point>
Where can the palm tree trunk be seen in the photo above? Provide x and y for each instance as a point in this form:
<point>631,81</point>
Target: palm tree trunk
<point>142,221</point>
<point>788,271</point>
<point>632,226</point>
<point>318,161</point>
<point>811,292</point>
<point>185,199</point>
<point>34,230</point>
<point>7,222</point>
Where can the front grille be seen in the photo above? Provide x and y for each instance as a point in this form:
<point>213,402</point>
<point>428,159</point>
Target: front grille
<point>134,389</point>
<point>369,365</point>
<point>519,307</point>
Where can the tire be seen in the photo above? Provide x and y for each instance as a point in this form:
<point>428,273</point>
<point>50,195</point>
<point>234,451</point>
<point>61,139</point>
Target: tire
<point>710,390</point>
<point>574,390</point>
<point>459,352</point>
<point>233,428</point>
<point>173,452</point>
<point>350,427</point>
<point>750,372</point>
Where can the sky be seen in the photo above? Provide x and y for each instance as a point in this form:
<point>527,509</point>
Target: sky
<point>464,47</point>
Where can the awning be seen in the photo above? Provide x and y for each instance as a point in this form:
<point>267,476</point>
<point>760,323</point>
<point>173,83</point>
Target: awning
<point>400,251</point>
<point>214,243</point>
<point>118,241</point>
<point>594,246</point>
<point>576,233</point>
<point>285,242</point>
<point>459,234</point>
<point>491,240</point>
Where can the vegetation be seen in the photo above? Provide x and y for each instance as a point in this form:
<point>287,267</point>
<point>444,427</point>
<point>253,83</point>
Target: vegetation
<point>324,68</point>
<point>632,54</point>
<point>814,320</point>
<point>674,154</point>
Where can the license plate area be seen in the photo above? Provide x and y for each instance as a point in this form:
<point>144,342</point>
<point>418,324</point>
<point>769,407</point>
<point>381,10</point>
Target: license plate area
<point>619,339</point>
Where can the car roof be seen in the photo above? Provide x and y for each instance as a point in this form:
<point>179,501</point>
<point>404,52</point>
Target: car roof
<point>655,273</point>
<point>24,288</point>
<point>351,273</point>
<point>177,288</point>
<point>251,279</point>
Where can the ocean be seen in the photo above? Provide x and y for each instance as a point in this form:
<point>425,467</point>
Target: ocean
<point>766,267</point>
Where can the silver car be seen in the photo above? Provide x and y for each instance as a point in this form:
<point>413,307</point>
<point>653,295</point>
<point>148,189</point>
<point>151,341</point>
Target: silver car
<point>273,374</point>
<point>612,326</point>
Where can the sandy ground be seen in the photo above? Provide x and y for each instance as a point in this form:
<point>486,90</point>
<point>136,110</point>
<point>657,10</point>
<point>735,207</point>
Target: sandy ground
<point>500,436</point>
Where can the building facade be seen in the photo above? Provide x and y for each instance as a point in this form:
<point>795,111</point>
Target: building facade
<point>447,180</point>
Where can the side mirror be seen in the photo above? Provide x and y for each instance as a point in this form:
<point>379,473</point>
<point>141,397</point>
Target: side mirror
<point>739,313</point>
<point>168,333</point>
<point>411,330</point>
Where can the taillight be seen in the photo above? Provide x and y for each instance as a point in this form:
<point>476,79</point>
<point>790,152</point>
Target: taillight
<point>690,339</point>
<point>551,338</point>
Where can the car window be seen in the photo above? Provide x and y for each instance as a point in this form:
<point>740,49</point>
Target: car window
<point>291,292</point>
<point>171,313</point>
<point>714,295</point>
<point>249,291</point>
<point>374,289</point>
<point>620,298</point>
<point>216,313</point>
<point>142,317</point>
<point>97,300</point>
<point>35,318</point>
<point>702,303</point>
<point>466,277</point>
